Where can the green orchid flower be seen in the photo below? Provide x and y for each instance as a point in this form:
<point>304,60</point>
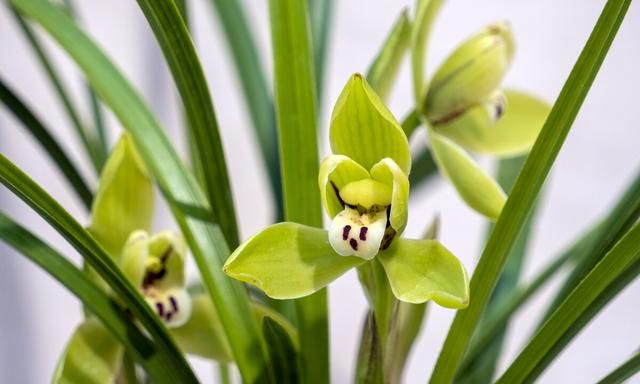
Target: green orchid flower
<point>365,191</point>
<point>466,109</point>
<point>121,218</point>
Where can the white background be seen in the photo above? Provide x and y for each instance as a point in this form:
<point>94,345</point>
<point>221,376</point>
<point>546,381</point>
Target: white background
<point>599,158</point>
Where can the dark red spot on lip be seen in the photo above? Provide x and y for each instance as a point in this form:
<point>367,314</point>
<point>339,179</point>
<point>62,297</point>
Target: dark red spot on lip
<point>363,233</point>
<point>174,303</point>
<point>354,244</point>
<point>160,309</point>
<point>345,232</point>
<point>169,316</point>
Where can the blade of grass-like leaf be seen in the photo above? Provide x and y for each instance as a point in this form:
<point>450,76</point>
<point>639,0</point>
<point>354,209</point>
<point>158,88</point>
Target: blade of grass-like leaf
<point>482,369</point>
<point>618,268</point>
<point>114,318</point>
<point>624,371</point>
<point>320,21</point>
<point>179,187</point>
<point>90,146</point>
<point>173,37</point>
<point>32,194</point>
<point>96,109</point>
<point>527,186</point>
<point>426,12</point>
<point>497,321</point>
<point>382,73</point>
<point>621,219</point>
<point>254,86</point>
<point>296,116</point>
<point>369,367</point>
<point>39,132</point>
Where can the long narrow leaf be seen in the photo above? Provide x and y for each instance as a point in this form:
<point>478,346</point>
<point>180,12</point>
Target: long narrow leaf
<point>482,369</point>
<point>97,158</point>
<point>624,371</point>
<point>619,267</point>
<point>114,318</point>
<point>623,216</point>
<point>426,12</point>
<point>382,73</point>
<point>496,322</point>
<point>179,187</point>
<point>254,87</point>
<point>94,255</point>
<point>296,116</point>
<point>39,132</point>
<point>320,21</point>
<point>173,36</point>
<point>527,186</point>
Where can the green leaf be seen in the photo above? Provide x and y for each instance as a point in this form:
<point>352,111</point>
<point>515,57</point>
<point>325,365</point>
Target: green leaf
<point>622,217</point>
<point>288,260</point>
<point>282,352</point>
<point>254,85</point>
<point>584,302</point>
<point>203,334</point>
<point>180,54</point>
<point>336,171</point>
<point>426,12</point>
<point>125,199</point>
<point>527,187</point>
<point>482,368</point>
<point>470,74</point>
<point>89,142</point>
<point>296,103</point>
<point>32,194</point>
<point>155,361</point>
<point>423,270</point>
<point>92,356</point>
<point>512,134</point>
<point>187,202</point>
<point>363,129</point>
<point>479,190</point>
<point>625,371</point>
<point>320,21</point>
<point>382,73</point>
<point>39,132</point>
<point>581,249</point>
<point>389,173</point>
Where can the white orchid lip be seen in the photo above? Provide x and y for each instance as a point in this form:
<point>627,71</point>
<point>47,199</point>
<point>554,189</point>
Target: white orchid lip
<point>358,234</point>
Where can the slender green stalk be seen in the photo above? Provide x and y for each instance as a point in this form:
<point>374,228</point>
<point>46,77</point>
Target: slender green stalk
<point>411,122</point>
<point>624,371</point>
<point>320,21</point>
<point>114,318</point>
<point>296,116</point>
<point>39,132</point>
<point>255,88</point>
<point>185,198</point>
<point>619,267</point>
<point>423,168</point>
<point>129,369</point>
<point>172,34</point>
<point>623,216</point>
<point>89,143</point>
<point>32,194</point>
<point>526,188</point>
<point>426,12</point>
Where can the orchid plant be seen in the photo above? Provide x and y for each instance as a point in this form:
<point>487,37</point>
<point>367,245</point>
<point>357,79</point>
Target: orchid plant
<point>259,306</point>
